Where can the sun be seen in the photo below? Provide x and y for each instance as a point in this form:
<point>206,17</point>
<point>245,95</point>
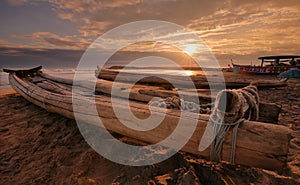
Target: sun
<point>190,49</point>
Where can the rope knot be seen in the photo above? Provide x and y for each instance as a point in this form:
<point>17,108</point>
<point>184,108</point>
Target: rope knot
<point>231,108</point>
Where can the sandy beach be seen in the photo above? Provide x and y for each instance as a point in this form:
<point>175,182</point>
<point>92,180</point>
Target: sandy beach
<point>38,147</point>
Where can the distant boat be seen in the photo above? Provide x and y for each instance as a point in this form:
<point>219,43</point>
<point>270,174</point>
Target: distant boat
<point>275,65</point>
<point>227,69</point>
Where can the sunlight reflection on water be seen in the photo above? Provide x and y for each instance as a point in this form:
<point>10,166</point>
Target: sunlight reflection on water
<point>163,71</point>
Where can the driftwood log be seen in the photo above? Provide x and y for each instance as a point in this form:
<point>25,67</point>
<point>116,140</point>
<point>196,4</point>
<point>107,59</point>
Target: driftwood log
<point>258,144</point>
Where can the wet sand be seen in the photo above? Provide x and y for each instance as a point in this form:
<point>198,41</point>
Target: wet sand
<point>38,147</point>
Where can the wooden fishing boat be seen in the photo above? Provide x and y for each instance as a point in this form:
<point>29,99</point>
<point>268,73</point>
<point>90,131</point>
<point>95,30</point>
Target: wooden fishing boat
<point>275,65</point>
<point>257,144</point>
<point>200,81</point>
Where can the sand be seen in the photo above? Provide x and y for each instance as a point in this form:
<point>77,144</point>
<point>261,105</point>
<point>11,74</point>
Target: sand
<point>38,147</point>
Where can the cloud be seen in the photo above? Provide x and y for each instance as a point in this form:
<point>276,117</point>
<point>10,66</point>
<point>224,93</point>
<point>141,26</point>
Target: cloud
<point>16,2</point>
<point>251,29</point>
<point>23,2</point>
<point>97,17</point>
<point>52,41</point>
<point>30,57</point>
<point>66,16</point>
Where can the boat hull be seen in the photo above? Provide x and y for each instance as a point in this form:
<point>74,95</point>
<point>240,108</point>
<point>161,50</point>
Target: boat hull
<point>252,70</point>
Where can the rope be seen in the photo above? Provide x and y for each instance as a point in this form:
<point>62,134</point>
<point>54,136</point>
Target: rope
<point>244,106</point>
<point>175,102</point>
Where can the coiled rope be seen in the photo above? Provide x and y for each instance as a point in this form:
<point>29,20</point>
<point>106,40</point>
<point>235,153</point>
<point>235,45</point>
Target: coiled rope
<point>175,102</point>
<point>242,105</point>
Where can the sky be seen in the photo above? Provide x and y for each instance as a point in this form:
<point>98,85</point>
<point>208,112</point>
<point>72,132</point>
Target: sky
<point>57,32</point>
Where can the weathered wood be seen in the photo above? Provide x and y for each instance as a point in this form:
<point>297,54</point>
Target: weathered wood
<point>24,72</point>
<point>269,111</point>
<point>53,87</point>
<point>200,81</point>
<point>56,78</point>
<point>258,144</point>
<point>42,95</point>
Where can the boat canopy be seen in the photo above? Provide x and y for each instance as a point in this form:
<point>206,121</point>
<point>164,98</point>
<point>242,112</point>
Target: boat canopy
<point>275,60</point>
<point>280,57</point>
